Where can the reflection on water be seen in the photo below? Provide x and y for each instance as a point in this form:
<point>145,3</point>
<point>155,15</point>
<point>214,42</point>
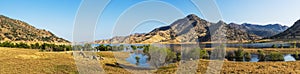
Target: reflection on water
<point>255,58</point>
<point>289,57</point>
<point>143,62</point>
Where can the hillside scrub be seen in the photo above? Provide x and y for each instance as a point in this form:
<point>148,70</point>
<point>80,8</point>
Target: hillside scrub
<point>42,47</point>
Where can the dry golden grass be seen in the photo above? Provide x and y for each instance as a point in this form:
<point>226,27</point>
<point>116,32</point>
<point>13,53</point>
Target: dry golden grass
<point>27,61</point>
<point>228,67</point>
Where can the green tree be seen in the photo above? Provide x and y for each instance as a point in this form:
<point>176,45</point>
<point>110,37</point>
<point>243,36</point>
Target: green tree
<point>248,56</point>
<point>275,56</point>
<point>239,54</point>
<point>137,58</point>
<point>133,47</point>
<point>101,47</point>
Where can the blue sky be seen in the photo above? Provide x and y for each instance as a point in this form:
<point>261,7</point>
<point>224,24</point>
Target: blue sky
<point>58,16</point>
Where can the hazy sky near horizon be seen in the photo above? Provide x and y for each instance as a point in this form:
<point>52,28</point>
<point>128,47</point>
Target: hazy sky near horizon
<point>58,16</point>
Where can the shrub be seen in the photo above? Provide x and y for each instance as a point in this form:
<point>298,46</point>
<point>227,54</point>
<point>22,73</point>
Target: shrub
<point>133,47</point>
<point>121,47</point>
<point>21,45</point>
<point>296,55</point>
<point>247,56</point>
<point>7,44</point>
<point>146,48</point>
<point>204,54</point>
<point>275,56</point>
<point>101,47</point>
<point>159,56</point>
<point>195,53</point>
<point>137,58</point>
<point>170,54</point>
<point>262,55</point>
<point>178,56</point>
<point>239,54</point>
<point>35,46</point>
<point>274,46</point>
<point>218,53</point>
<point>230,55</point>
<point>295,45</point>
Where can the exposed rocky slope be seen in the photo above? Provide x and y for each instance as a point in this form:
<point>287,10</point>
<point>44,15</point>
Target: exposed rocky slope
<point>261,30</point>
<point>187,30</point>
<point>291,33</point>
<point>16,30</point>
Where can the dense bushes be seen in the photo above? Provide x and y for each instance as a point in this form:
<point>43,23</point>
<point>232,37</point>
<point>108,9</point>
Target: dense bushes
<point>230,55</point>
<point>104,47</point>
<point>275,56</point>
<point>239,54</point>
<point>196,53</point>
<point>133,47</point>
<point>296,55</point>
<point>262,55</point>
<point>218,53</point>
<point>7,44</point>
<point>42,47</point>
<point>247,56</point>
<point>159,56</point>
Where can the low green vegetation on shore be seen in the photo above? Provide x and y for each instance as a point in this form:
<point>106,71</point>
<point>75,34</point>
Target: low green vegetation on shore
<point>42,47</point>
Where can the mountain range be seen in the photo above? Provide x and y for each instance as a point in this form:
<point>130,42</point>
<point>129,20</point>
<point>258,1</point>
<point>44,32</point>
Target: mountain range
<point>261,30</point>
<point>291,33</point>
<point>191,29</point>
<point>16,30</point>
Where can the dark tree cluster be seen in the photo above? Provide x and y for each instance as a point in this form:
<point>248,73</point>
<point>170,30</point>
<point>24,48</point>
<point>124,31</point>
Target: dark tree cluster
<point>42,47</point>
<point>104,47</point>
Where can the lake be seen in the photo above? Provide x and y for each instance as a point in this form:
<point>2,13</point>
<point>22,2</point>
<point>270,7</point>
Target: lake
<point>143,61</point>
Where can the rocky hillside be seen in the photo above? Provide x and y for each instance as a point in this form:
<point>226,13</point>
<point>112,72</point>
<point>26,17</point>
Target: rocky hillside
<point>190,29</point>
<point>16,30</point>
<point>291,33</point>
<point>261,30</point>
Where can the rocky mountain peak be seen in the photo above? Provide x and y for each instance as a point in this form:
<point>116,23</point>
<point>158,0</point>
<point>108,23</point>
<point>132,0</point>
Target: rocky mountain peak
<point>190,29</point>
<point>193,17</point>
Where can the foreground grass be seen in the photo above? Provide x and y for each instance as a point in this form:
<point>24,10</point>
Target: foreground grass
<point>202,66</point>
<point>26,61</point>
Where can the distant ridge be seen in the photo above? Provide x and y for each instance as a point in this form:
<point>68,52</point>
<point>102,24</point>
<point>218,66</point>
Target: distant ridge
<point>261,30</point>
<point>291,33</point>
<point>16,30</point>
<point>190,29</point>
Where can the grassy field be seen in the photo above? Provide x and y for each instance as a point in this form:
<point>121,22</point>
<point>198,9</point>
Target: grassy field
<point>202,66</point>
<point>29,61</point>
